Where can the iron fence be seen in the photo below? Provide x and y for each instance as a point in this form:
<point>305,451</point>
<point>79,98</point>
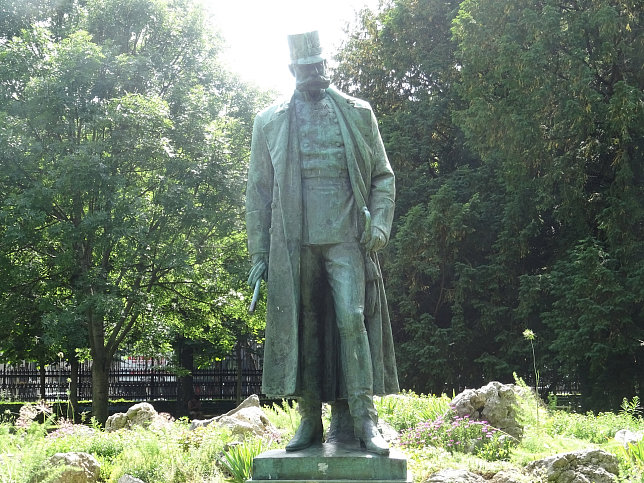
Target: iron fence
<point>142,382</point>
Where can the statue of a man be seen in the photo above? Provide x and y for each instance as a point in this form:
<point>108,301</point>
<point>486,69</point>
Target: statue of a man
<point>319,205</point>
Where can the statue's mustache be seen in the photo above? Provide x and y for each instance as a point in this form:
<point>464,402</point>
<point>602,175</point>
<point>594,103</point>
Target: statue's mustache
<point>313,81</point>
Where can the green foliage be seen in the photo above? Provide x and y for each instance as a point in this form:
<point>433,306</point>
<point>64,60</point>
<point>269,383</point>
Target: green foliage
<point>407,410</point>
<point>122,173</point>
<point>284,416</point>
<point>530,408</point>
<point>168,453</point>
<point>631,459</point>
<point>238,460</point>
<point>515,132</point>
<point>636,453</point>
<point>631,408</point>
<point>461,434</point>
<point>541,82</point>
<point>596,428</point>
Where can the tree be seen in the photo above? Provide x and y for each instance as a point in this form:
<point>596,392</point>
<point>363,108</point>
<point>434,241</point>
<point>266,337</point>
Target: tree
<point>402,60</point>
<point>554,95</point>
<point>119,174</point>
<point>515,130</point>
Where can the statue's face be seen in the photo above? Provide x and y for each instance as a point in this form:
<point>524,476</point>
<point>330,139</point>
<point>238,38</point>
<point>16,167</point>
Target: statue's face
<point>310,77</point>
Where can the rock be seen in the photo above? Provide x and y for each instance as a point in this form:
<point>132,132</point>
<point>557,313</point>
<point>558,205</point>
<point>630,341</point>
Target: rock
<point>387,431</point>
<point>510,476</point>
<point>200,423</point>
<point>587,466</point>
<point>454,476</point>
<point>115,422</point>
<point>129,479</point>
<point>247,418</point>
<point>141,414</point>
<point>627,437</point>
<point>251,401</point>
<point>495,403</point>
<point>246,422</point>
<point>81,467</point>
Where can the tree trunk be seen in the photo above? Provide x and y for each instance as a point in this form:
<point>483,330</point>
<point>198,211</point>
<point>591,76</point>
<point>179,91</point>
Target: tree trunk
<point>100,386</point>
<point>185,391</point>
<point>73,388</point>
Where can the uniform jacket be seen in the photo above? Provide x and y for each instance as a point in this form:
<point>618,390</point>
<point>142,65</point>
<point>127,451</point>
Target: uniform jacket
<point>274,225</point>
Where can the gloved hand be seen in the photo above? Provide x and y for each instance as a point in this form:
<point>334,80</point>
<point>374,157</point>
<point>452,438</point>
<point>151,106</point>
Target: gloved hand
<point>375,240</point>
<point>258,270</point>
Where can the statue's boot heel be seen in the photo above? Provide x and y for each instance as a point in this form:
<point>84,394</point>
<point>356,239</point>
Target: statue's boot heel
<point>341,428</point>
<point>370,437</point>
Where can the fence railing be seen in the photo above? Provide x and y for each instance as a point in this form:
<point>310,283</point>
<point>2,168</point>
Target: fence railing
<point>24,383</point>
<point>142,380</point>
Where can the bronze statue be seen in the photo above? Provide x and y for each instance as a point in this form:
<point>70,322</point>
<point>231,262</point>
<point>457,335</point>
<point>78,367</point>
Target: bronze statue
<point>319,205</point>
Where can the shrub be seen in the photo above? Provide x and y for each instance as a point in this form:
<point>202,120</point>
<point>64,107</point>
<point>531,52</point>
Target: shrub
<point>284,416</point>
<point>238,460</point>
<point>460,434</point>
<point>408,409</point>
<point>636,453</point>
<point>171,453</point>
<point>590,427</point>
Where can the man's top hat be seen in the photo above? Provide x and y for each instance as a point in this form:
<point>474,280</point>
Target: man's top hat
<point>305,48</point>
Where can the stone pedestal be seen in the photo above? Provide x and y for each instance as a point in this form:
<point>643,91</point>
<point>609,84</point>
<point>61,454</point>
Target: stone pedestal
<point>329,463</point>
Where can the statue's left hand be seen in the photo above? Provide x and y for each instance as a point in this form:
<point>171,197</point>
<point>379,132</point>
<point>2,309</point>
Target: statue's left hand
<point>376,241</point>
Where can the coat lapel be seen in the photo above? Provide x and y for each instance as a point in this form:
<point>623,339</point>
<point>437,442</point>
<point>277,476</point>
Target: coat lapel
<point>276,131</point>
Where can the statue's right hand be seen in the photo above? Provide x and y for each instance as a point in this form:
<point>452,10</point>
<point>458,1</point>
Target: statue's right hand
<point>258,270</point>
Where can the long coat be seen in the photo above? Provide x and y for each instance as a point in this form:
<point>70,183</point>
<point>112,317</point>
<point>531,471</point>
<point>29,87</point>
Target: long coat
<point>274,225</point>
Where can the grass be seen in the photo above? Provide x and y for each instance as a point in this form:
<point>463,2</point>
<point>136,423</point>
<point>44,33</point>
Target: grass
<point>547,432</point>
<point>405,410</point>
<point>429,432</point>
<point>171,453</point>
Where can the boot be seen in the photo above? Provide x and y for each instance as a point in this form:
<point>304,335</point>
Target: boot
<point>358,373</point>
<point>310,430</point>
<point>370,438</point>
<point>341,427</point>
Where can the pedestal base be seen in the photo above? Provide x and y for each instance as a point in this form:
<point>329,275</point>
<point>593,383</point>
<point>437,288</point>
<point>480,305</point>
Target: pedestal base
<point>329,463</point>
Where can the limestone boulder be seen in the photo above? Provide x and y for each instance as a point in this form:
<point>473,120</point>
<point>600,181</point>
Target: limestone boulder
<point>586,466</point>
<point>626,437</point>
<point>115,422</point>
<point>250,421</point>
<point>79,467</point>
<point>388,432</point>
<point>200,423</point>
<point>511,476</point>
<point>141,414</point>
<point>495,403</point>
<point>455,476</point>
<point>246,419</point>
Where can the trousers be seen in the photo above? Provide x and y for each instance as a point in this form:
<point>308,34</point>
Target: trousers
<point>336,270</point>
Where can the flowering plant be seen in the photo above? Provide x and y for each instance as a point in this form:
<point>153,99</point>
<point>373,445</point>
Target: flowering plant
<point>462,434</point>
